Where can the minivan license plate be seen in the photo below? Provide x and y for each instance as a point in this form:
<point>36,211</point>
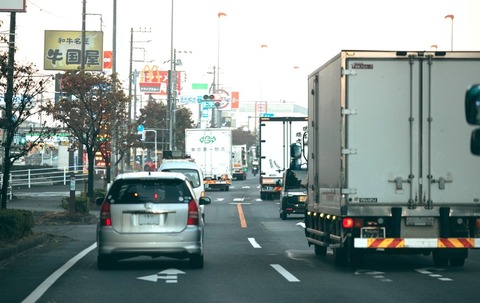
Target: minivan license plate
<point>149,219</point>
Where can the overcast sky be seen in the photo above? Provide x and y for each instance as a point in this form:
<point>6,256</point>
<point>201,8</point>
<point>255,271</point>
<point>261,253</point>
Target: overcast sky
<point>300,33</point>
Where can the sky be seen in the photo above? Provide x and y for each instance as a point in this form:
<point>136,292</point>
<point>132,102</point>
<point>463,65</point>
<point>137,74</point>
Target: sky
<point>298,36</point>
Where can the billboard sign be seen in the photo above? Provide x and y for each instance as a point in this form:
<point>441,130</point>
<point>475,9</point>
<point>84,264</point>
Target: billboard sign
<point>13,6</point>
<point>155,81</point>
<point>63,50</point>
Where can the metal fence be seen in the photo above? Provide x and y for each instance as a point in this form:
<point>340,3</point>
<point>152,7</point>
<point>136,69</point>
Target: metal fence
<point>46,176</point>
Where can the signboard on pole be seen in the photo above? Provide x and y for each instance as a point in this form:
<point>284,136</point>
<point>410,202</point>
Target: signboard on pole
<point>13,6</point>
<point>63,49</point>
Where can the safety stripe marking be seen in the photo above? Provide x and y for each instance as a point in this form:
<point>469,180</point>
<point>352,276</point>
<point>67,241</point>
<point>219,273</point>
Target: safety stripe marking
<point>417,243</point>
<point>287,275</point>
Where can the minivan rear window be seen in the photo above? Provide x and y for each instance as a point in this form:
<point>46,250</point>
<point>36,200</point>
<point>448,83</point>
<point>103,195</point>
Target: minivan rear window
<point>191,174</point>
<point>149,191</point>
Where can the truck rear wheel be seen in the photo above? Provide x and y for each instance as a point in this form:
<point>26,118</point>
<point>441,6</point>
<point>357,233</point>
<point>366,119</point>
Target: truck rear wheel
<point>457,261</point>
<point>320,250</point>
<point>440,258</point>
<point>341,256</point>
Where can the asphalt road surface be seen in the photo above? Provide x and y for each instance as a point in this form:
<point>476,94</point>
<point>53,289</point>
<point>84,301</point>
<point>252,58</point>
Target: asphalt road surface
<point>251,256</point>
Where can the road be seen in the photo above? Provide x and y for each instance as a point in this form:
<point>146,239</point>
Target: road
<point>251,256</point>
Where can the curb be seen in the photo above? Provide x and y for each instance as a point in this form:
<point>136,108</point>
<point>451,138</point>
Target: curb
<point>23,245</point>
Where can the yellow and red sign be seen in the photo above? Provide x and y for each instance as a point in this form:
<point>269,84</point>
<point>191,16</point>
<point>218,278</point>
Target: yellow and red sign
<point>63,50</point>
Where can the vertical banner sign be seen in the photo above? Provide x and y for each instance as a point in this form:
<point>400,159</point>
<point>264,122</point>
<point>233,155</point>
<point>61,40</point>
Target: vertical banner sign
<point>107,59</point>
<point>63,50</point>
<point>235,100</point>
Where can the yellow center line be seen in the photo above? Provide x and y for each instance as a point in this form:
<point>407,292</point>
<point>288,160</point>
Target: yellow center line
<point>243,222</point>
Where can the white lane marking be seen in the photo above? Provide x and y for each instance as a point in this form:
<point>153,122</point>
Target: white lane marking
<point>42,288</point>
<point>431,272</point>
<point>238,199</point>
<point>284,273</point>
<point>254,243</point>
<point>246,186</point>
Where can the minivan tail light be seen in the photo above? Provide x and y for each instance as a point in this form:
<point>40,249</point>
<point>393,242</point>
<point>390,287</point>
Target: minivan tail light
<point>105,215</point>
<point>193,214</point>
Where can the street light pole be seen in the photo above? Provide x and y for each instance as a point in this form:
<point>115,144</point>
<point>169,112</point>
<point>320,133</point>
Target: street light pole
<point>451,31</point>
<point>170,87</point>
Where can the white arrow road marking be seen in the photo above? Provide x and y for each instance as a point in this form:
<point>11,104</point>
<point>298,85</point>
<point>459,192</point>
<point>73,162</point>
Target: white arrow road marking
<point>258,200</point>
<point>169,275</point>
<point>220,199</point>
<point>287,275</point>
<point>246,186</point>
<point>151,278</point>
<point>254,243</point>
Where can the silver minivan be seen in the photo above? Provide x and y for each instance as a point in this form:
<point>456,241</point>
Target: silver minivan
<point>192,171</point>
<point>150,214</point>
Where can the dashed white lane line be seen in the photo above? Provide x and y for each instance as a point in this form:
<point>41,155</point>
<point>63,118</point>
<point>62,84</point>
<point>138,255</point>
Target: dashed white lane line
<point>287,275</point>
<point>254,243</point>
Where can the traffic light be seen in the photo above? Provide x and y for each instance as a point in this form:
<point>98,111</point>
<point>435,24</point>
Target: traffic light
<point>208,97</point>
<point>212,98</point>
<point>472,115</point>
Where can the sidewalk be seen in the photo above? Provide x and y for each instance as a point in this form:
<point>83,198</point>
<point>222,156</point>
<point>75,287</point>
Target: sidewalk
<point>38,199</point>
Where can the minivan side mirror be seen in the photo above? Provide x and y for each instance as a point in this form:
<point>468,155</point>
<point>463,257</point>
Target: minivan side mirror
<point>205,200</point>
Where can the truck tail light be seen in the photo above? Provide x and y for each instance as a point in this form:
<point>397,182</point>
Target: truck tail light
<point>105,215</point>
<point>347,223</point>
<point>193,213</point>
<point>352,223</point>
<point>477,228</point>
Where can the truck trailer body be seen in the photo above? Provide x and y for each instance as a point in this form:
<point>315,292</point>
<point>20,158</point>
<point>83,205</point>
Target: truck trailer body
<point>390,167</point>
<point>276,135</point>
<point>212,150</point>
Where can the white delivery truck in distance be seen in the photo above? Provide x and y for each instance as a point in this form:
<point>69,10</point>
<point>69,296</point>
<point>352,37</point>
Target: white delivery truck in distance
<point>276,135</point>
<point>389,164</point>
<point>239,162</point>
<point>212,150</point>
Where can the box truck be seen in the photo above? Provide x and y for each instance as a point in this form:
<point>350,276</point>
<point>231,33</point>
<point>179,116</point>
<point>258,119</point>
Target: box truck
<point>389,162</point>
<point>276,135</point>
<point>212,150</point>
<point>239,162</point>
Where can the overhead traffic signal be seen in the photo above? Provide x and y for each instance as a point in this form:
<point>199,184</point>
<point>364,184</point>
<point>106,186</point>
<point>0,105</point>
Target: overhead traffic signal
<point>212,98</point>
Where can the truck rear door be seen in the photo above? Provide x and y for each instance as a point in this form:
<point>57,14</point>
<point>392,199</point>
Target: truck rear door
<point>408,141</point>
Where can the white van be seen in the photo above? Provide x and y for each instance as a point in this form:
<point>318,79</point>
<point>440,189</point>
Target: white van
<point>193,173</point>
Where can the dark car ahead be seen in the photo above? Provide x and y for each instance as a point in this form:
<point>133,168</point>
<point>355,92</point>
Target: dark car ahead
<point>150,214</point>
<point>294,193</point>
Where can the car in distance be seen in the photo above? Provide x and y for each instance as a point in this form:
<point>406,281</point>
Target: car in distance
<point>150,214</point>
